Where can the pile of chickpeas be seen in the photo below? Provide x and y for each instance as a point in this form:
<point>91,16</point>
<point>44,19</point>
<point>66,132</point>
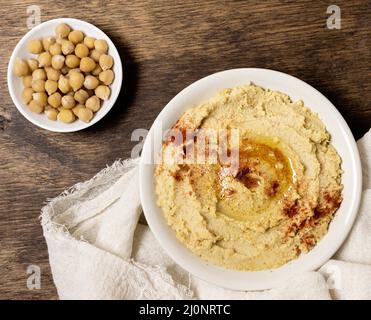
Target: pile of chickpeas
<point>69,78</point>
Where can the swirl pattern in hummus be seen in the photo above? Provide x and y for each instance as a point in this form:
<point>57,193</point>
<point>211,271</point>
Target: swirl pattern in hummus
<point>276,204</point>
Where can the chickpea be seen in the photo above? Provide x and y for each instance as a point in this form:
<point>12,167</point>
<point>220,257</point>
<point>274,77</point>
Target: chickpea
<point>27,95</point>
<point>55,49</point>
<point>66,116</point>
<point>47,42</point>
<point>106,77</point>
<point>38,85</point>
<point>52,74</point>
<point>102,92</point>
<point>39,74</point>
<point>72,61</point>
<point>77,108</point>
<point>68,102</point>
<point>67,47</point>
<point>91,82</point>
<point>89,42</point>
<point>45,59</point>
<point>62,30</point>
<point>87,64</point>
<point>51,86</point>
<point>52,114</point>
<point>35,46</point>
<point>95,55</point>
<point>97,70</point>
<point>81,50</point>
<point>40,98</point>
<point>85,114</point>
<point>73,70</point>
<point>93,103</point>
<point>101,46</point>
<point>55,99</point>
<point>81,96</point>
<point>64,84</point>
<point>76,36</point>
<point>58,62</point>
<point>76,80</point>
<point>35,107</point>
<point>27,81</point>
<point>33,64</point>
<point>21,68</point>
<point>105,62</point>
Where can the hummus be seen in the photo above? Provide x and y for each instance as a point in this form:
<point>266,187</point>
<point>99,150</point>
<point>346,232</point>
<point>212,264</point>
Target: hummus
<point>279,199</point>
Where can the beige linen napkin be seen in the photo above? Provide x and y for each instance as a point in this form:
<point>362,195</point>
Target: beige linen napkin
<point>98,250</point>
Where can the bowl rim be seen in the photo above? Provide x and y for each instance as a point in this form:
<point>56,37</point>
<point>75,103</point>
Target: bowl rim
<point>228,278</point>
<point>65,127</point>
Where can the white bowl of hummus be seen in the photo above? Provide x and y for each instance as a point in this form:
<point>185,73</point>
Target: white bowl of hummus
<point>249,177</point>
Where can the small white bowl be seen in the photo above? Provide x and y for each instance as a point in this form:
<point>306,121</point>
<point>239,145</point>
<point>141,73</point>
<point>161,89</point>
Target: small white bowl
<point>342,140</point>
<point>15,84</point>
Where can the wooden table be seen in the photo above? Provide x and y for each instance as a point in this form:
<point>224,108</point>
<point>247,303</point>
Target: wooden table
<point>164,48</point>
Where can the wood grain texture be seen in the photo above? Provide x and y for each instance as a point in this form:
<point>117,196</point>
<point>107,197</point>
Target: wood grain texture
<point>164,45</point>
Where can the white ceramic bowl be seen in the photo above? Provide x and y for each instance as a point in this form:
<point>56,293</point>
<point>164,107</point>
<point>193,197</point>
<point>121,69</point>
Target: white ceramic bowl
<point>342,139</point>
<point>15,84</point>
